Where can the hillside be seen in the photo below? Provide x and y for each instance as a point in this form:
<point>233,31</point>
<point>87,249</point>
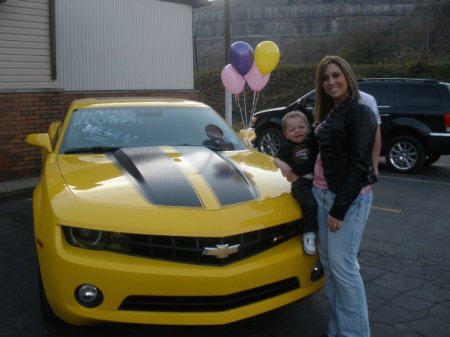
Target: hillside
<point>375,31</point>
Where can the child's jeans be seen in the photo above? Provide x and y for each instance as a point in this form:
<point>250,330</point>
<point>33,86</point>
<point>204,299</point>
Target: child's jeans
<point>302,191</point>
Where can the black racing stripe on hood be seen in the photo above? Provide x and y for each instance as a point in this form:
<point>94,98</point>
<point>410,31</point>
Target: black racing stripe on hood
<point>156,176</point>
<point>226,180</point>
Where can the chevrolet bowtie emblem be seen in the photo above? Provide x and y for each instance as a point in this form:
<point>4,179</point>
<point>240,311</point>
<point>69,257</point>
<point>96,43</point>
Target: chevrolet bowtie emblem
<point>221,251</point>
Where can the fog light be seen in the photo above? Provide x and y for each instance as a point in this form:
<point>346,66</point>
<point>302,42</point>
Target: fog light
<point>317,272</point>
<point>88,295</point>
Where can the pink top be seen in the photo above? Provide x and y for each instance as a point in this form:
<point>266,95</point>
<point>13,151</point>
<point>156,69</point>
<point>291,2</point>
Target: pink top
<point>320,181</point>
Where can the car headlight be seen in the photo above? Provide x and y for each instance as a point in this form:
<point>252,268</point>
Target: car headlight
<point>96,239</point>
<point>86,238</point>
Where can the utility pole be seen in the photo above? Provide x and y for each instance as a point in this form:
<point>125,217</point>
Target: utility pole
<point>226,20</point>
<point>228,98</point>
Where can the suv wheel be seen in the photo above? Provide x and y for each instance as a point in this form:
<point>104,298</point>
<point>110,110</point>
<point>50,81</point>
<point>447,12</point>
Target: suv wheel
<point>405,154</point>
<point>269,141</point>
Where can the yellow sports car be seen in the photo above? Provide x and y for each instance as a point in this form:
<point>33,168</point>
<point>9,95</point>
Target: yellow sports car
<point>155,211</point>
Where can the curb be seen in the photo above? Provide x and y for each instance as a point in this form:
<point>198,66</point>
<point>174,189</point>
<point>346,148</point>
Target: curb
<point>16,195</point>
<point>17,189</point>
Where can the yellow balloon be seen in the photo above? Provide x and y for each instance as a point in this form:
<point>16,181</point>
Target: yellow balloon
<point>266,56</point>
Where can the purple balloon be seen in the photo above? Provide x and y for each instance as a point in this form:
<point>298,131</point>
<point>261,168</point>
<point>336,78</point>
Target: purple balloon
<point>240,55</point>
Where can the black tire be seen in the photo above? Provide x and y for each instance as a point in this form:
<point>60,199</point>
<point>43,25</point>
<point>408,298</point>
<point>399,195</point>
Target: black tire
<point>405,154</point>
<point>431,159</point>
<point>269,141</point>
<point>46,311</point>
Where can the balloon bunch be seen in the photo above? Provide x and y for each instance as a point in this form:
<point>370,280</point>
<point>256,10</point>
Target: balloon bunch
<point>251,67</point>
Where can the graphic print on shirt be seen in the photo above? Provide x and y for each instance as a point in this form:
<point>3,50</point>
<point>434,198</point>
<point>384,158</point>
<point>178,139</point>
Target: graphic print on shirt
<point>301,154</point>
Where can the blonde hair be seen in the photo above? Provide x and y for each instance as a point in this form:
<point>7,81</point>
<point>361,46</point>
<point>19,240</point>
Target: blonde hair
<point>292,115</point>
<point>323,101</point>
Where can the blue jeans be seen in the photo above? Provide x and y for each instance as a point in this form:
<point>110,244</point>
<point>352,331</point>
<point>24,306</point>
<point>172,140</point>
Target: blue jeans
<point>338,253</point>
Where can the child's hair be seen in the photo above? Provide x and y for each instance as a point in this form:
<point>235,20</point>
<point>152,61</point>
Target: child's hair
<point>292,115</point>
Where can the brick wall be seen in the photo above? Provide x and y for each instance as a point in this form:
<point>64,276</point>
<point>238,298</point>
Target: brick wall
<point>22,113</point>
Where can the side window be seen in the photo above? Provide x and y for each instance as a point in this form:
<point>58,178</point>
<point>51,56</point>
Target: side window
<point>419,95</point>
<point>381,92</point>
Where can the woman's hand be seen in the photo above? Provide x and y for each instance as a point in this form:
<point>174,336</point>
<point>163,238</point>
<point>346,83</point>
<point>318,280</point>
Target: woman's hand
<point>334,224</point>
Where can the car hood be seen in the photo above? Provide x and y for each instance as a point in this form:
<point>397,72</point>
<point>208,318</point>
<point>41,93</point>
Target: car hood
<point>186,177</point>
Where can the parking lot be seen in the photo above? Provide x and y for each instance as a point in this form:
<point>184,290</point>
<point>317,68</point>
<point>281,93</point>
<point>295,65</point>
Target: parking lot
<point>405,262</point>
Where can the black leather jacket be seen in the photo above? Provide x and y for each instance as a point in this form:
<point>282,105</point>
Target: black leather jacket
<point>346,140</point>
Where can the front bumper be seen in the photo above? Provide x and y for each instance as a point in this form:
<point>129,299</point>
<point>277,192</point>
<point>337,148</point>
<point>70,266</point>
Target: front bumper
<point>187,294</point>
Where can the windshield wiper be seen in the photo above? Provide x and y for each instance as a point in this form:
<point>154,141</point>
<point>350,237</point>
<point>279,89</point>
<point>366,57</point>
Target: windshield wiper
<point>93,149</point>
<point>215,147</point>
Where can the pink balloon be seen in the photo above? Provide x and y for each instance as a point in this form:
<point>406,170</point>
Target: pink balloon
<point>232,80</point>
<point>256,81</point>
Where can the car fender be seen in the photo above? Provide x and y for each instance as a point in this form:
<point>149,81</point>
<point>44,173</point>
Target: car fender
<point>273,121</point>
<point>276,121</point>
<point>411,123</point>
<point>405,125</point>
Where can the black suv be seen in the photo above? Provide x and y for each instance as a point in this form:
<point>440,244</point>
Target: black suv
<point>415,116</point>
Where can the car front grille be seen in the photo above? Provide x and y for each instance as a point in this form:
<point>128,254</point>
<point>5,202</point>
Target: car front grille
<point>194,249</point>
<point>208,303</point>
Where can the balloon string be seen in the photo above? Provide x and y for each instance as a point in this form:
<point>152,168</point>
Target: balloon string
<point>236,98</point>
<point>245,111</point>
<point>255,101</point>
<point>247,118</point>
<point>252,109</point>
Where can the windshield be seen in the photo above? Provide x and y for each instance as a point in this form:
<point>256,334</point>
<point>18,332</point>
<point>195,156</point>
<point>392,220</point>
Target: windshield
<point>107,129</point>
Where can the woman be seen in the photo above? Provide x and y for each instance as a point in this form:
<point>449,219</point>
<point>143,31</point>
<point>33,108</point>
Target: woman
<point>343,177</point>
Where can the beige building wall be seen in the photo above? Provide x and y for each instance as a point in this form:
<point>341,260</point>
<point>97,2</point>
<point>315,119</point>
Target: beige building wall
<point>25,60</point>
<point>124,45</point>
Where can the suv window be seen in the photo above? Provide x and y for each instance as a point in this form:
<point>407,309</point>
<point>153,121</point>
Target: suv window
<point>382,93</point>
<point>419,95</point>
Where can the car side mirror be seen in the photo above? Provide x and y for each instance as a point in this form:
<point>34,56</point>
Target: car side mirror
<point>41,140</point>
<point>248,136</point>
<point>53,130</point>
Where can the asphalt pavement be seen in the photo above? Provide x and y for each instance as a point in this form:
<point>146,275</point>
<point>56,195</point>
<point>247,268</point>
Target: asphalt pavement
<point>17,189</point>
<point>405,263</point>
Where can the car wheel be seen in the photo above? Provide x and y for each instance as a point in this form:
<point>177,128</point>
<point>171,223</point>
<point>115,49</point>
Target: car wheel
<point>46,310</point>
<point>431,159</point>
<point>405,154</point>
<point>269,141</point>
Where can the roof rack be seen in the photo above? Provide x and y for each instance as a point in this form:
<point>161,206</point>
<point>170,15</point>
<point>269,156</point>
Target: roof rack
<point>398,79</point>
